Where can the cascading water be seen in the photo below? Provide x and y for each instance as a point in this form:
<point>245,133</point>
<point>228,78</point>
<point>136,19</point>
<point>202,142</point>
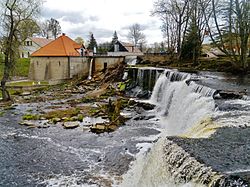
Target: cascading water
<point>183,108</point>
<point>179,106</point>
<point>90,69</point>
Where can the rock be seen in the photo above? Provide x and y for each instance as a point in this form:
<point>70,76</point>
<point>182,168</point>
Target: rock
<point>227,94</point>
<point>74,118</point>
<point>68,91</point>
<point>27,123</point>
<point>143,117</point>
<point>71,124</point>
<point>26,93</point>
<point>146,106</point>
<point>143,94</point>
<point>98,128</point>
<point>55,120</point>
<point>111,127</point>
<point>104,127</point>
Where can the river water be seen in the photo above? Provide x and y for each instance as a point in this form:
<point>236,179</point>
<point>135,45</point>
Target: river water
<point>135,154</point>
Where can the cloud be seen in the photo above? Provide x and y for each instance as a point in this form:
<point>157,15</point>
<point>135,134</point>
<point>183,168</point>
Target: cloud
<point>73,17</point>
<point>83,30</point>
<point>79,17</point>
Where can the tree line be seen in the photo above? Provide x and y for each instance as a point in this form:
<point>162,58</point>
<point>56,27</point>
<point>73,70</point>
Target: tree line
<point>185,23</point>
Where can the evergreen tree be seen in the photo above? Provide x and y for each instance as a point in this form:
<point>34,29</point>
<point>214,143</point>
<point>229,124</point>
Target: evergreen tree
<point>115,38</point>
<point>92,42</point>
<point>191,47</point>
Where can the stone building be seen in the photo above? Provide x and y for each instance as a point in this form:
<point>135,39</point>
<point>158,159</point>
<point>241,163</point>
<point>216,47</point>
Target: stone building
<point>63,59</point>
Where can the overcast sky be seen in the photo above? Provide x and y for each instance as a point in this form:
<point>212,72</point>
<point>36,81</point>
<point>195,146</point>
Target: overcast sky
<point>103,17</point>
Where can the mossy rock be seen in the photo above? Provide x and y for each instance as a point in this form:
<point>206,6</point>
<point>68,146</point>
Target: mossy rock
<point>31,117</point>
<point>68,113</point>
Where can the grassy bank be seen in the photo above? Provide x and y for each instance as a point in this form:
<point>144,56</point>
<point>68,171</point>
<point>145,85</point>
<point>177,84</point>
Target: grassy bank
<point>21,68</point>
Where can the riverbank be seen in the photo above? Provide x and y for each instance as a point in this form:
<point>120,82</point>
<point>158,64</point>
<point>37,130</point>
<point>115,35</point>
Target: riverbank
<point>220,64</point>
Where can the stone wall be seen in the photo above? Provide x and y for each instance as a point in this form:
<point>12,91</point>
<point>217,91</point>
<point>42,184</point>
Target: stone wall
<point>102,62</point>
<point>49,68</point>
<point>79,66</point>
<point>61,68</point>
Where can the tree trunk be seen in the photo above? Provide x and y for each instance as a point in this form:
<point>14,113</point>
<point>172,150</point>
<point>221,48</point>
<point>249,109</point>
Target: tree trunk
<point>243,56</point>
<point>6,76</point>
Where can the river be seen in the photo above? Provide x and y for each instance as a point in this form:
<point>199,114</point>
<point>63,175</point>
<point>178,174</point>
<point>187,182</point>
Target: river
<point>57,157</point>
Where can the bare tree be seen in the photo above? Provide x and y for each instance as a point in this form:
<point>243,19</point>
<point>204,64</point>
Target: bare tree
<point>17,17</point>
<point>229,29</point>
<point>175,17</point>
<point>54,27</point>
<point>136,34</point>
<point>44,29</point>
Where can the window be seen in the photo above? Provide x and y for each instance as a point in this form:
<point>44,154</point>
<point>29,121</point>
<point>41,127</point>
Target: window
<point>28,43</point>
<point>59,63</point>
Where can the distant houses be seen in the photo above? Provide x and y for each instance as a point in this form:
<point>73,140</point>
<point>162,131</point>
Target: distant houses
<point>32,44</point>
<point>124,49</point>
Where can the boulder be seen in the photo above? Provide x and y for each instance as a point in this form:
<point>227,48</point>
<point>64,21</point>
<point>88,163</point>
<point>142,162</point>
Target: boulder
<point>98,128</point>
<point>103,127</point>
<point>146,106</point>
<point>71,124</point>
<point>228,94</point>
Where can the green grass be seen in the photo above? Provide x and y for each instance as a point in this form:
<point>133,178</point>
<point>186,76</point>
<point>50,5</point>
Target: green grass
<point>21,68</point>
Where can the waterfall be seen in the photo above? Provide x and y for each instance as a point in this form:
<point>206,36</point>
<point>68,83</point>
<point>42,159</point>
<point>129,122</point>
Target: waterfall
<point>181,105</point>
<point>90,69</point>
<point>131,60</point>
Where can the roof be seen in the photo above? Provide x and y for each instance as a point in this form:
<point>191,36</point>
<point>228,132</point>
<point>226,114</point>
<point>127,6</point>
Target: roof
<point>41,41</point>
<point>62,46</point>
<point>126,47</point>
<point>131,47</point>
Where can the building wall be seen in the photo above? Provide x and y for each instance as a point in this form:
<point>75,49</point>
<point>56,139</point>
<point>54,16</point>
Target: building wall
<point>79,66</point>
<point>49,68</point>
<point>110,61</point>
<point>60,68</point>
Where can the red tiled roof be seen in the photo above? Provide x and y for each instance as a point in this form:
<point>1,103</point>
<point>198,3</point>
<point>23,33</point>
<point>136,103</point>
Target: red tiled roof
<point>62,46</point>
